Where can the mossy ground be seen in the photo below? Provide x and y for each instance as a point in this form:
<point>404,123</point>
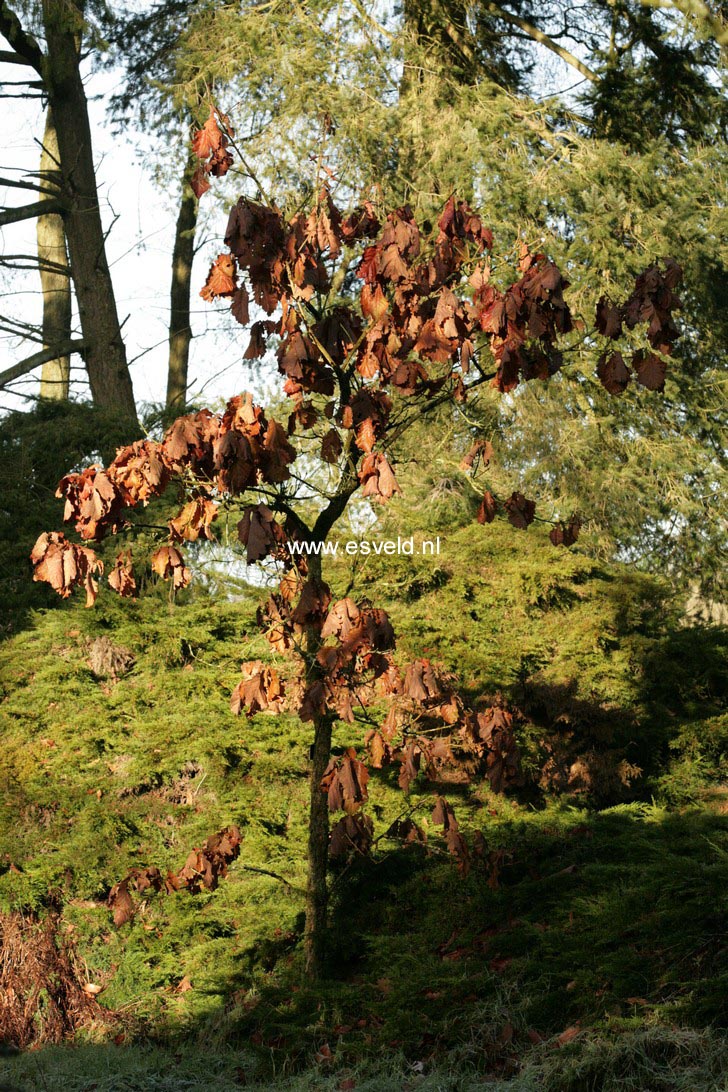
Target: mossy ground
<point>605,921</point>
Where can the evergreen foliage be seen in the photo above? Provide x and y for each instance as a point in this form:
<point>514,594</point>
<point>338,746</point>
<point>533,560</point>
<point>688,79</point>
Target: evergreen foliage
<point>599,202</point>
<point>36,448</point>
<point>103,774</point>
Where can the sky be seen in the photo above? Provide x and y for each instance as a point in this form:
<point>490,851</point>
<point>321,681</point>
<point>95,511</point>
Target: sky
<point>140,220</point>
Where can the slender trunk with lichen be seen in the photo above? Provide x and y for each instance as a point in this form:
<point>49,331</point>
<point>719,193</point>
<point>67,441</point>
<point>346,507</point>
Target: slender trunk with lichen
<point>55,275</point>
<point>180,332</point>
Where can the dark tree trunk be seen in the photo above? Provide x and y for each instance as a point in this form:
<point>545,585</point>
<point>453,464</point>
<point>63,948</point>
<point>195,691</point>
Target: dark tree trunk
<point>105,354</point>
<point>317,895</point>
<point>55,283</point>
<point>180,333</point>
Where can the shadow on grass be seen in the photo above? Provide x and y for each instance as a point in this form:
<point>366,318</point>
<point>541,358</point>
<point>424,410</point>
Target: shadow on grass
<point>600,928</point>
<point>597,929</point>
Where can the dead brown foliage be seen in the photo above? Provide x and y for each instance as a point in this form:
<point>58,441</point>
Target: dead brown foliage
<point>42,997</point>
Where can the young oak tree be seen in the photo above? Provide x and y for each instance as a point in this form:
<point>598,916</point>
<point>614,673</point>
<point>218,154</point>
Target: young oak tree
<point>378,321</point>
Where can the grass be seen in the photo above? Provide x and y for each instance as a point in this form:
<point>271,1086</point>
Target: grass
<point>657,1060</point>
<point>592,956</point>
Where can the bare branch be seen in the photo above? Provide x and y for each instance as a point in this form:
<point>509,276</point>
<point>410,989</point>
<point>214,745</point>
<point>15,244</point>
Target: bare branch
<point>12,260</point>
<point>544,40</point>
<point>25,186</point>
<point>30,331</point>
<point>267,872</point>
<point>24,44</point>
<point>7,56</point>
<point>30,362</point>
<point>29,212</point>
<point>35,85</point>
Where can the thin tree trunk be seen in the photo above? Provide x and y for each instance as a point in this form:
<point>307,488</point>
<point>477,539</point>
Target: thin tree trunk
<point>180,333</point>
<point>108,371</point>
<point>317,895</point>
<point>55,284</point>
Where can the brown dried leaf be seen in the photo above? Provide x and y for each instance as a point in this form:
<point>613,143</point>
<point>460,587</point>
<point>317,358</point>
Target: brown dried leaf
<point>488,508</point>
<point>260,690</point>
<point>410,759</point>
<point>121,904</point>
<point>121,577</point>
<point>200,182</point>
<point>239,307</point>
<point>168,562</point>
<point>566,534</point>
<point>377,478</point>
<point>194,520</point>
<point>222,278</point>
<point>520,510</point>
<point>613,372</point>
<point>64,565</point>
<point>608,318</point>
<point>481,452</point>
<point>345,783</point>
<point>260,532</point>
<point>352,833</point>
<point>331,446</point>
<point>650,370</point>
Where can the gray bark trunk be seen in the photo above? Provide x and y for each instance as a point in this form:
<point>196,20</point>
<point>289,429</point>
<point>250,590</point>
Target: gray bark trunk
<point>180,333</point>
<point>55,283</point>
<point>108,371</point>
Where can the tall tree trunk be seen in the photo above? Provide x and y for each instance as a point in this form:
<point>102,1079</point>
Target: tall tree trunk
<point>55,283</point>
<point>105,355</point>
<point>180,333</point>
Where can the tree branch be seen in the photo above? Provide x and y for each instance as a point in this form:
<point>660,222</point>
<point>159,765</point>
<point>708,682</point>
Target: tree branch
<point>456,34</point>
<point>544,40</point>
<point>24,44</point>
<point>274,875</point>
<point>20,327</point>
<point>37,84</point>
<point>11,260</point>
<point>29,212</point>
<point>717,26</point>
<point>30,362</point>
<point>7,56</point>
<point>12,183</point>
